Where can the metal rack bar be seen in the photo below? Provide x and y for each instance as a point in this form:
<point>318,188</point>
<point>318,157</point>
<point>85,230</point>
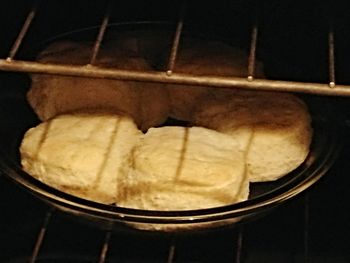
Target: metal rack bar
<point>331,57</point>
<point>252,53</point>
<point>306,228</point>
<point>176,40</point>
<point>171,253</point>
<point>253,44</point>
<point>40,237</point>
<point>105,247</point>
<point>101,33</point>
<point>239,245</point>
<point>175,78</point>
<point>23,31</point>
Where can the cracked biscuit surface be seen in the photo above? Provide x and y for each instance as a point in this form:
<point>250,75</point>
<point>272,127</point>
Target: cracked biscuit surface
<point>81,154</point>
<point>274,128</point>
<point>178,168</point>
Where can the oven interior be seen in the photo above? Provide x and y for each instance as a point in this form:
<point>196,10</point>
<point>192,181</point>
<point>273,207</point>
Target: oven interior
<point>299,43</point>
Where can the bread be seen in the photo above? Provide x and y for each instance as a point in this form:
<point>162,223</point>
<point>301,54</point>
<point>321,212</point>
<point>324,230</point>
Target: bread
<point>205,58</point>
<point>178,168</point>
<point>96,150</point>
<point>81,154</point>
<point>52,95</point>
<point>274,128</point>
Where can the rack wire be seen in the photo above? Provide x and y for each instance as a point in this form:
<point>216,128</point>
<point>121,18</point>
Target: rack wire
<point>171,257</point>
<point>91,71</point>
<point>104,247</point>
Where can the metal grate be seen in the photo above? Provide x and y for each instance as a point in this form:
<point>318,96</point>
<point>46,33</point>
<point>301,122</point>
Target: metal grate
<point>237,240</point>
<point>105,246</point>
<point>89,70</point>
<point>290,234</point>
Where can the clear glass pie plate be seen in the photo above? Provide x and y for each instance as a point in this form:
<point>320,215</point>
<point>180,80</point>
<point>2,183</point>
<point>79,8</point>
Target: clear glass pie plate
<point>17,117</point>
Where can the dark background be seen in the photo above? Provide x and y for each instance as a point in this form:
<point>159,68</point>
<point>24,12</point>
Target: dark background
<point>293,46</point>
<point>292,35</point>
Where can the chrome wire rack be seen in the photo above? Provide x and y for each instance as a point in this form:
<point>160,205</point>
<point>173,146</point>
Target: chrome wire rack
<point>331,88</point>
<point>298,232</point>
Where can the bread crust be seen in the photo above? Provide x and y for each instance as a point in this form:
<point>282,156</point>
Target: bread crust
<point>52,95</point>
<point>178,168</point>
<point>245,136</point>
<point>81,154</point>
<point>211,58</point>
<point>274,128</point>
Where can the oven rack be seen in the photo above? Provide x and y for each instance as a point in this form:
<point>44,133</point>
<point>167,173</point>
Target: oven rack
<point>54,237</point>
<point>237,241</point>
<point>172,250</point>
<point>10,63</point>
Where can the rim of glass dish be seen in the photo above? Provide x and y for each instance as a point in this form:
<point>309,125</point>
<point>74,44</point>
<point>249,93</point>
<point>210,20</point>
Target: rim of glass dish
<point>302,178</point>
